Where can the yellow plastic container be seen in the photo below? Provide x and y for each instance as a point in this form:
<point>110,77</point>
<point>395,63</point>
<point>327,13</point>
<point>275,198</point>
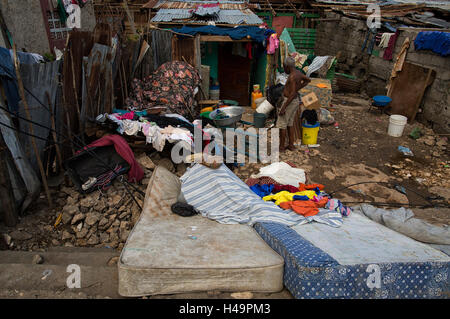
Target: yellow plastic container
<point>255,96</point>
<point>310,133</point>
<point>206,109</point>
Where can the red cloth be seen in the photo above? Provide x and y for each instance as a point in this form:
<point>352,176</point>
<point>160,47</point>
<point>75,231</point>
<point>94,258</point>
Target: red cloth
<point>278,188</point>
<point>123,149</point>
<point>391,46</point>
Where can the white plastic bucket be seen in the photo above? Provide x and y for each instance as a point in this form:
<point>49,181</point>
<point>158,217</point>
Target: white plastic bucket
<point>265,107</point>
<point>260,100</point>
<point>396,125</point>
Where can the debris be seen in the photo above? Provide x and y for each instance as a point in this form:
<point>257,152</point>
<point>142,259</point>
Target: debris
<point>242,295</point>
<point>406,151</point>
<point>113,261</point>
<point>145,161</point>
<point>37,260</point>
<point>416,133</point>
<point>20,235</point>
<point>46,273</point>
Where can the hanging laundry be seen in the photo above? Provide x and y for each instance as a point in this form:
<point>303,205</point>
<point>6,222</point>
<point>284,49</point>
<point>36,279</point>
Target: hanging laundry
<point>385,37</point>
<point>437,41</point>
<point>391,46</point>
<point>273,44</point>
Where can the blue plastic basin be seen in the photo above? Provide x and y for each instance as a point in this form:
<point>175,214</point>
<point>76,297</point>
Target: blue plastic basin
<point>381,100</point>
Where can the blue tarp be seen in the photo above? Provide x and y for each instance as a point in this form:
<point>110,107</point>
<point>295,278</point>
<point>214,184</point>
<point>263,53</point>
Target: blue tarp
<point>255,33</point>
<point>437,41</point>
<point>8,79</point>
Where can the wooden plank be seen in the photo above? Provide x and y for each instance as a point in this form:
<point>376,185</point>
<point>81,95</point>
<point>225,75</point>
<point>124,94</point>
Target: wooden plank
<point>408,89</point>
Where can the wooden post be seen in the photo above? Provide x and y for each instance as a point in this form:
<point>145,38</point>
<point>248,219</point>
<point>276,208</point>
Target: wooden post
<point>58,151</point>
<point>6,193</point>
<point>33,142</point>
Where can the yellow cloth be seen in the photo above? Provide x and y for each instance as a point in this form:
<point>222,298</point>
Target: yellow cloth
<point>285,196</point>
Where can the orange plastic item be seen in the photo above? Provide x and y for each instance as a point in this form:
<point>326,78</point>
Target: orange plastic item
<point>255,96</point>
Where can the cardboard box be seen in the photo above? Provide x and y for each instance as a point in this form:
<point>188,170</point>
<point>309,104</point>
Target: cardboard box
<point>323,94</point>
<point>311,102</point>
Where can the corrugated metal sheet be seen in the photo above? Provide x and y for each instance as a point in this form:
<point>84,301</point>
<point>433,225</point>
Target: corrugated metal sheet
<point>224,16</point>
<point>224,5</point>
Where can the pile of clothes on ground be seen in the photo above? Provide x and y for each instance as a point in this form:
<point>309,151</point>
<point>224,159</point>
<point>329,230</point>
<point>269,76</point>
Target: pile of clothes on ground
<point>218,194</point>
<point>283,184</point>
<point>157,129</point>
<point>173,86</point>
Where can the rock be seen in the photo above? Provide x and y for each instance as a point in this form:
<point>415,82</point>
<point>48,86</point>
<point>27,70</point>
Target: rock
<point>124,225</point>
<point>145,161</point>
<point>114,237</point>
<point>37,260</point>
<point>89,201</point>
<point>79,227</point>
<point>167,163</point>
<point>429,140</point>
<point>20,235</point>
<point>104,221</point>
<point>68,212</point>
<point>55,242</point>
<point>124,214</point>
<point>181,169</point>
<point>113,261</point>
<point>77,218</point>
<point>82,233</point>
<point>92,218</point>
<point>100,206</point>
<point>8,239</point>
<point>93,240</point>
<point>124,233</point>
<point>66,235</point>
<point>242,295</point>
<point>104,237</point>
<point>116,199</point>
<point>71,201</point>
<point>436,154</point>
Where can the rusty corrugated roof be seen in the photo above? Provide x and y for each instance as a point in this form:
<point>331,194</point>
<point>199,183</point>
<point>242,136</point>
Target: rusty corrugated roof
<point>233,17</point>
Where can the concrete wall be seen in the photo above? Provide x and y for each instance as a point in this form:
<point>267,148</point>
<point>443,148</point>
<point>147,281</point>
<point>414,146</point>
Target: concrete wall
<point>346,36</point>
<point>25,22</point>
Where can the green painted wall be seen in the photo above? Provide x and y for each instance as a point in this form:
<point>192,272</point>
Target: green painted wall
<point>210,56</point>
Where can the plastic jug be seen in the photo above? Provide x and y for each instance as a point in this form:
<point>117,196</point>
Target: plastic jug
<point>255,95</point>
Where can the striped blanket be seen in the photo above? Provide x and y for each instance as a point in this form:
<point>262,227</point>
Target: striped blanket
<point>220,195</point>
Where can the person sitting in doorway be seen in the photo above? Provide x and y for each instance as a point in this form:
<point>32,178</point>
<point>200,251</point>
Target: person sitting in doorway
<point>290,103</point>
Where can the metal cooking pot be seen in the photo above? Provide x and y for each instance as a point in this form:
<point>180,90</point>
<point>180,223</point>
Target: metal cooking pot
<point>234,113</point>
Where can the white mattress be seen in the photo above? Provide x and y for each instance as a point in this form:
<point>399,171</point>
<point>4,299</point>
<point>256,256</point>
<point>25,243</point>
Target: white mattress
<point>362,241</point>
<point>167,254</point>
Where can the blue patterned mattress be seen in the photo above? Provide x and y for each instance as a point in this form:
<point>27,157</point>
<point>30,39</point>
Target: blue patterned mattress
<point>361,259</point>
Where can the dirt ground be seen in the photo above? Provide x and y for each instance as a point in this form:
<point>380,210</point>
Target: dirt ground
<point>357,149</point>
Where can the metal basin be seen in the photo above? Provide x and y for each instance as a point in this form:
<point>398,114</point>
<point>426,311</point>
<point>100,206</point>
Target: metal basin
<point>234,113</point>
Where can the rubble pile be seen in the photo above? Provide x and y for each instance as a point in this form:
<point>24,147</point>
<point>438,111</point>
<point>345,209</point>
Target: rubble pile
<point>97,219</point>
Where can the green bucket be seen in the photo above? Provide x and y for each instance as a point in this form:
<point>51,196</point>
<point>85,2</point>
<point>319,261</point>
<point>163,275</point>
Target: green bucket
<point>259,120</point>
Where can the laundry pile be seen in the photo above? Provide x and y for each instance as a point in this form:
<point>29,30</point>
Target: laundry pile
<point>172,85</point>
<point>157,129</point>
<point>275,183</point>
<point>220,195</point>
